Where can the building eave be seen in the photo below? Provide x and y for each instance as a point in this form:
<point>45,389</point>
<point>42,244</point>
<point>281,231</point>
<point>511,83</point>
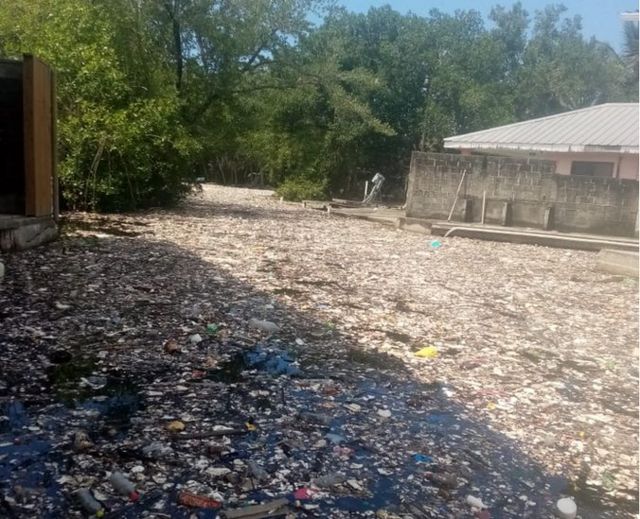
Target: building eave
<point>549,148</point>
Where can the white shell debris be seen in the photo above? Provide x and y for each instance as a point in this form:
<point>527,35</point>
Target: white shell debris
<point>567,508</point>
<point>264,326</point>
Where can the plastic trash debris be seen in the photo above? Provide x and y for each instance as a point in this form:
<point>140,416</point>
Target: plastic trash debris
<point>437,407</point>
<point>475,502</point>
<point>156,450</point>
<point>256,511</point>
<point>421,458</point>
<point>171,346</point>
<point>61,306</point>
<point>124,486</point>
<point>428,352</point>
<point>196,338</point>
<point>384,413</point>
<point>334,438</point>
<point>257,471</point>
<point>303,494</point>
<point>273,361</point>
<point>212,328</point>
<point>354,484</point>
<point>88,502</point>
<point>435,244</point>
<point>567,508</point>
<point>175,426</point>
<point>81,441</point>
<point>319,418</point>
<point>93,382</point>
<point>329,480</point>
<point>195,501</point>
<point>218,471</point>
<point>264,326</point>
<point>343,452</point>
<point>445,480</point>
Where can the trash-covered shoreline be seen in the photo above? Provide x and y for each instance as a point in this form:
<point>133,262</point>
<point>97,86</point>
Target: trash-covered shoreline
<point>238,352</point>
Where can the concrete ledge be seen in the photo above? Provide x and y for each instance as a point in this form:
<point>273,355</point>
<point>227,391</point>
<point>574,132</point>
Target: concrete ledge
<point>418,225</point>
<point>24,233</point>
<point>14,221</point>
<point>532,237</point>
<point>618,262</point>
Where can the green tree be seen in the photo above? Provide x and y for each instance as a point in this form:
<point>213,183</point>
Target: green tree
<point>630,54</point>
<point>153,93</point>
<point>122,144</point>
<point>563,71</point>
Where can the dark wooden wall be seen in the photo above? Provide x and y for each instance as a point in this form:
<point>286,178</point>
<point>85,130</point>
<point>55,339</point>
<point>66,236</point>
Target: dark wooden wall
<point>12,185</point>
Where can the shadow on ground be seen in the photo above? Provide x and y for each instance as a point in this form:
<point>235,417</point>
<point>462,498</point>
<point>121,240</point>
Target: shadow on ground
<point>84,321</point>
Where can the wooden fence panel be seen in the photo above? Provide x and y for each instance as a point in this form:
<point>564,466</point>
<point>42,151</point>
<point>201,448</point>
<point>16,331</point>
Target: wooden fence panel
<point>38,142</point>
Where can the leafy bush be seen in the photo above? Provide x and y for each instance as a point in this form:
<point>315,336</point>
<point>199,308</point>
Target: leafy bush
<point>296,189</point>
<point>122,139</point>
<point>134,157</point>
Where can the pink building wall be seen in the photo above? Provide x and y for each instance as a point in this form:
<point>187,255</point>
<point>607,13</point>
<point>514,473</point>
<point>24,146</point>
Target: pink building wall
<point>626,165</point>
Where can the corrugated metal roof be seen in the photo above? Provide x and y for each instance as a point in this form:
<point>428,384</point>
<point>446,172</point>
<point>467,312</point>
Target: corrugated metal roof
<point>611,127</point>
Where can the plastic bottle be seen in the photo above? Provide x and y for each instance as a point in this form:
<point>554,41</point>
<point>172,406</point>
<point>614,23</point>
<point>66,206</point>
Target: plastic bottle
<point>88,502</point>
<point>124,486</point>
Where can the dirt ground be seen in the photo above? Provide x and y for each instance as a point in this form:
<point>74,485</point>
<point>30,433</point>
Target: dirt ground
<point>132,328</point>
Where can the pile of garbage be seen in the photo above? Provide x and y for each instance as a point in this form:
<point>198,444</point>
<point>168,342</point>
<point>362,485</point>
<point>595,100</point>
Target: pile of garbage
<point>143,377</point>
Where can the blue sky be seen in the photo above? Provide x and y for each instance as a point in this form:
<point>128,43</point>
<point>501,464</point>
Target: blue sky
<point>599,18</point>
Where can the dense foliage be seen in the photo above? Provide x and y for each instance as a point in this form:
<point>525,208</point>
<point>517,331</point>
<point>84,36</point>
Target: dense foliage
<point>155,93</point>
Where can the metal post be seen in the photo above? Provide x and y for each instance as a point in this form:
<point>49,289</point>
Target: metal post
<point>484,206</point>
<point>455,200</point>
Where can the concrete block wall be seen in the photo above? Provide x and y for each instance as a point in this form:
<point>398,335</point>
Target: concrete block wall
<point>529,187</point>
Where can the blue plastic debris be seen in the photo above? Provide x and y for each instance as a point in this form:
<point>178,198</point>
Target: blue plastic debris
<point>334,438</point>
<point>422,458</point>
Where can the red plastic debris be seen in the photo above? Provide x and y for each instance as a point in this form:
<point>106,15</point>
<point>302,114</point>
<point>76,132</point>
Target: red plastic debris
<point>196,501</point>
<point>303,493</point>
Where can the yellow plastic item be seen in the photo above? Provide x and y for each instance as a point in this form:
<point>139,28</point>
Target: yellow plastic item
<point>176,426</point>
<point>429,352</point>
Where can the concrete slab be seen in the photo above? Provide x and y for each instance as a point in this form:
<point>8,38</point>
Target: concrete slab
<point>22,232</point>
<point>383,215</point>
<point>618,262</point>
<point>395,217</point>
<point>534,237</point>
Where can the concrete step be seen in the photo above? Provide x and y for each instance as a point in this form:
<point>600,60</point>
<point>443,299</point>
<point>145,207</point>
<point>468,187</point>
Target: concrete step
<point>534,237</point>
<point>618,262</point>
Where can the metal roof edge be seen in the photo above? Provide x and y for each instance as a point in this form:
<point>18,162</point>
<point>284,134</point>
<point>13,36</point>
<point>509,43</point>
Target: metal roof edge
<point>538,119</point>
<point>560,148</point>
